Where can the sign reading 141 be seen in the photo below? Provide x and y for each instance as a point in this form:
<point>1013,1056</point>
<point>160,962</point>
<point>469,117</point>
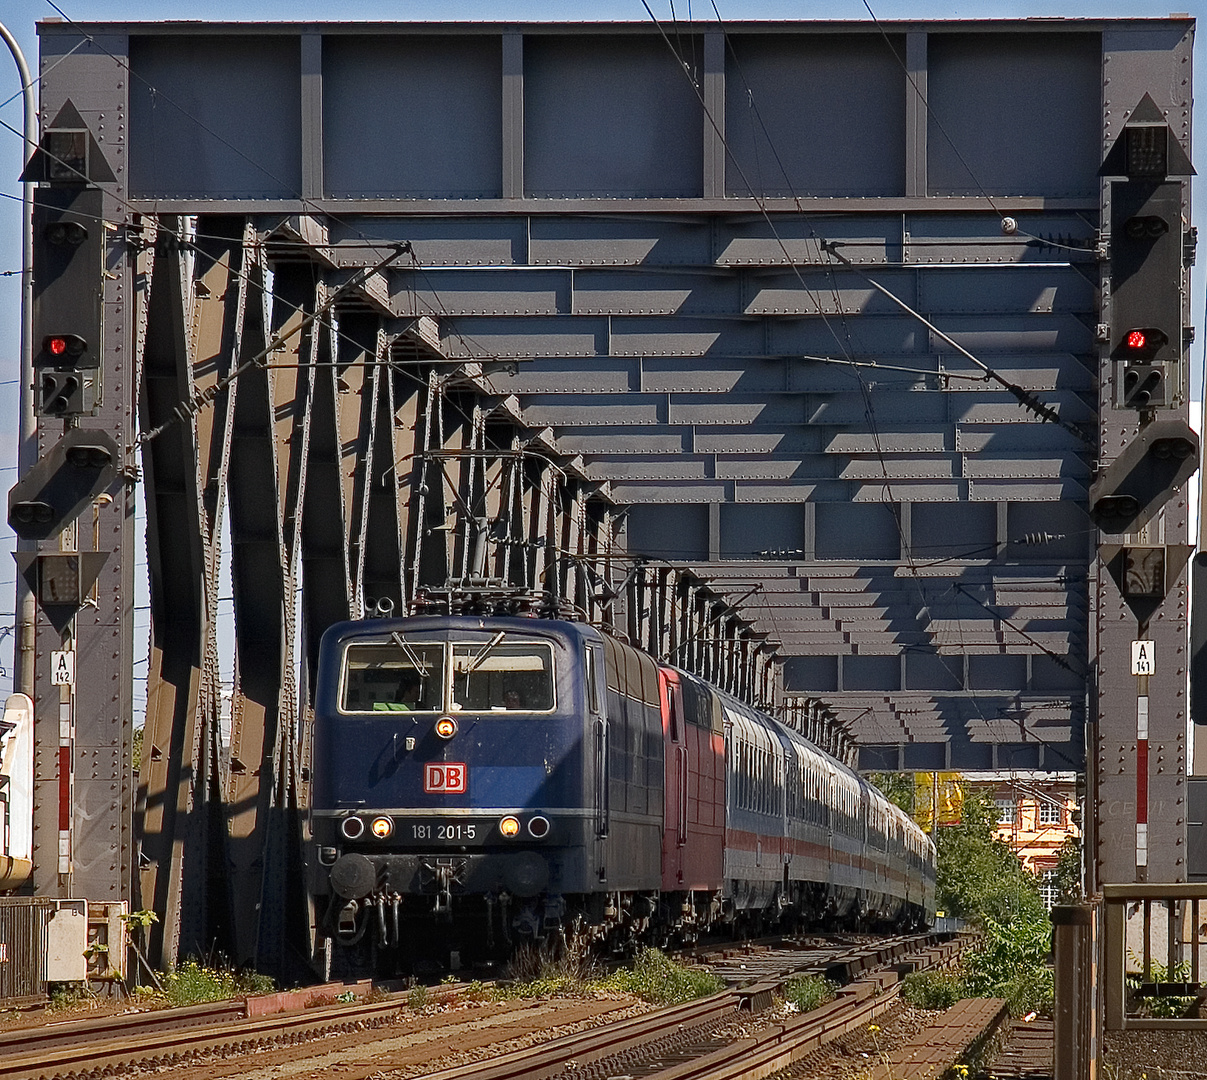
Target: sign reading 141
<point>1144,657</point>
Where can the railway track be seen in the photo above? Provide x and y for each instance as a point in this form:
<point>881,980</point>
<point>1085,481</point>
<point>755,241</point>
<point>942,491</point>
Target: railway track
<point>81,1050</point>
<point>679,1043</point>
<point>100,1046</point>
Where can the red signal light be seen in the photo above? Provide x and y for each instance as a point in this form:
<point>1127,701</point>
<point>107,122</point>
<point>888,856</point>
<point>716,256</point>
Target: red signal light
<point>66,347</point>
<point>1143,343</point>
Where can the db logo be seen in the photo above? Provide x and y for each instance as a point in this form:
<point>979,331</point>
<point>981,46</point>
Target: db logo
<point>448,777</point>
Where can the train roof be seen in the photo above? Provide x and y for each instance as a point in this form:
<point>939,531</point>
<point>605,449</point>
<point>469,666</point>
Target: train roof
<point>371,628</point>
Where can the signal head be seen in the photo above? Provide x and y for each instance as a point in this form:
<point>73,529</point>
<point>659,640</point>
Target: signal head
<point>66,233</point>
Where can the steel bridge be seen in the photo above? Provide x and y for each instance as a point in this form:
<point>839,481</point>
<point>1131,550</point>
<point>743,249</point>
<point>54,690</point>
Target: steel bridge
<point>784,348</point>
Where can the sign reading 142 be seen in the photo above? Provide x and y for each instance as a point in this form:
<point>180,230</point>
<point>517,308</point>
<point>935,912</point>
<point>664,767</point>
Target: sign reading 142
<point>1144,658</point>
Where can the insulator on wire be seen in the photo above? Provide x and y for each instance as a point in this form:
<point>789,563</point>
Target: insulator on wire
<point>1040,538</point>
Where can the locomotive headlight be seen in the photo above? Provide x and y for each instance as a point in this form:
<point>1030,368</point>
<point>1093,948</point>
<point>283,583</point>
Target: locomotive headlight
<point>382,827</point>
<point>446,727</point>
<point>510,826</point>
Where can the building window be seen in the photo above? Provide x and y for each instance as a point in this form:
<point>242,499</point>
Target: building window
<point>1050,814</point>
<point>1047,888</point>
<point>1007,811</point>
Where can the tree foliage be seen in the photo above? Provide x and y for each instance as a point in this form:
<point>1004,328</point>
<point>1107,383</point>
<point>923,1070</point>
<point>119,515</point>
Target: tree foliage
<point>981,880</point>
<point>979,877</point>
<point>897,787</point>
<point>1068,872</point>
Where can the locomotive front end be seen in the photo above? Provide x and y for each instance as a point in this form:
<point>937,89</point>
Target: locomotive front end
<point>448,797</point>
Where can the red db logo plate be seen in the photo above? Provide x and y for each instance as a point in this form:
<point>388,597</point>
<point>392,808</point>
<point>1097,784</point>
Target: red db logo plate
<point>446,778</point>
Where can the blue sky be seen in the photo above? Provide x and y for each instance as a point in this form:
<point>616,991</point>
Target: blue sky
<point>20,17</point>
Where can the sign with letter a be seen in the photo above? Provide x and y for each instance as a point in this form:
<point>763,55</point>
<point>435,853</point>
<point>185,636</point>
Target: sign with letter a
<point>62,668</point>
<point>1144,657</point>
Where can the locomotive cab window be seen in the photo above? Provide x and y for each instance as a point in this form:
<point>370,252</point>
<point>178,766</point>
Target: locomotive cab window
<point>393,678</point>
<point>503,676</point>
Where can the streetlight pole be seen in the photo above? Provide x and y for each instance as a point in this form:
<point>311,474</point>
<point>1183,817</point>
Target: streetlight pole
<point>27,445</point>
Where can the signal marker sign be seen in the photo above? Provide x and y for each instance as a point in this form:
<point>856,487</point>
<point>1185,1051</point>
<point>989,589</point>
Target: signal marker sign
<point>1144,658</point>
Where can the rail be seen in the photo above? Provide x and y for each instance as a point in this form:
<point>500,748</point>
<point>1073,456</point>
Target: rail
<point>1153,942</point>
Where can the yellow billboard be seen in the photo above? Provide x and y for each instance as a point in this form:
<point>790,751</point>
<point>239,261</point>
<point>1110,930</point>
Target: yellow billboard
<point>938,791</point>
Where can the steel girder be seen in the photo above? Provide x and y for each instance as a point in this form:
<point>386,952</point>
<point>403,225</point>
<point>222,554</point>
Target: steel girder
<point>613,340</point>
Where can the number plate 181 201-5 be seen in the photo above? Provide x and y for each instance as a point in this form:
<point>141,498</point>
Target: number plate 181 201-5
<point>427,831</point>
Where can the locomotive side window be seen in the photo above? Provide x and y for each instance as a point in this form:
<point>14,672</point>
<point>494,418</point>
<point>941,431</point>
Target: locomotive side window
<point>592,685</point>
<point>387,678</point>
<point>503,676</point>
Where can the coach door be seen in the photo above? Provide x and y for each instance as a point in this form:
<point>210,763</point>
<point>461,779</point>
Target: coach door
<point>674,823</point>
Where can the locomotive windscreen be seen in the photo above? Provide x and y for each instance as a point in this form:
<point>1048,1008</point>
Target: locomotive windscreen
<point>503,677</point>
<point>393,678</point>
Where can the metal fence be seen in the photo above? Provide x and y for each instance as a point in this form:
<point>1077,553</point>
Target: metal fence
<point>1154,942</point>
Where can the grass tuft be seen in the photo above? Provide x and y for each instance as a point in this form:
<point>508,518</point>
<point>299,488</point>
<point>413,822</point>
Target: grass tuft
<point>808,992</point>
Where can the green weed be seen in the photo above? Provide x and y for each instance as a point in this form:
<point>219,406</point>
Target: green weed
<point>656,978</point>
<point>193,984</point>
<point>932,989</point>
<point>1164,1007</point>
<point>808,992</point>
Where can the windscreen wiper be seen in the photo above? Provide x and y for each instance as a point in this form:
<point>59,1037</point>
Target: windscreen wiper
<point>472,666</point>
<point>410,654</point>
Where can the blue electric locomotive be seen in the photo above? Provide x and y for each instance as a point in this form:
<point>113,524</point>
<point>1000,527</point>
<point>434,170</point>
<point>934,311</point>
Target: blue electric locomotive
<point>505,771</point>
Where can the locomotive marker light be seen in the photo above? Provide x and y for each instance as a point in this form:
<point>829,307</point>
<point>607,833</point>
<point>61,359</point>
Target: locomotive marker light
<point>538,826</point>
<point>353,828</point>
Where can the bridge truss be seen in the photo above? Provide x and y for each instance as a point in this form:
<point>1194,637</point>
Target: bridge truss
<point>776,347</point>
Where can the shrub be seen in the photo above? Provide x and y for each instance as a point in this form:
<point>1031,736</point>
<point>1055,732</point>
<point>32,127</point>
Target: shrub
<point>932,989</point>
<point>1164,1007</point>
<point>1029,991</point>
<point>66,995</point>
<point>808,992</point>
<point>417,998</point>
<point>1011,962</point>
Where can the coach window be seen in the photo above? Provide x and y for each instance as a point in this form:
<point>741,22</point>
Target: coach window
<point>500,676</point>
<point>397,676</point>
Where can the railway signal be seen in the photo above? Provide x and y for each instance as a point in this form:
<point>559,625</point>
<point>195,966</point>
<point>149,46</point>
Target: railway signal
<point>68,264</point>
<point>1157,462</point>
<point>80,466</point>
<point>68,279</point>
<point>1147,253</point>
